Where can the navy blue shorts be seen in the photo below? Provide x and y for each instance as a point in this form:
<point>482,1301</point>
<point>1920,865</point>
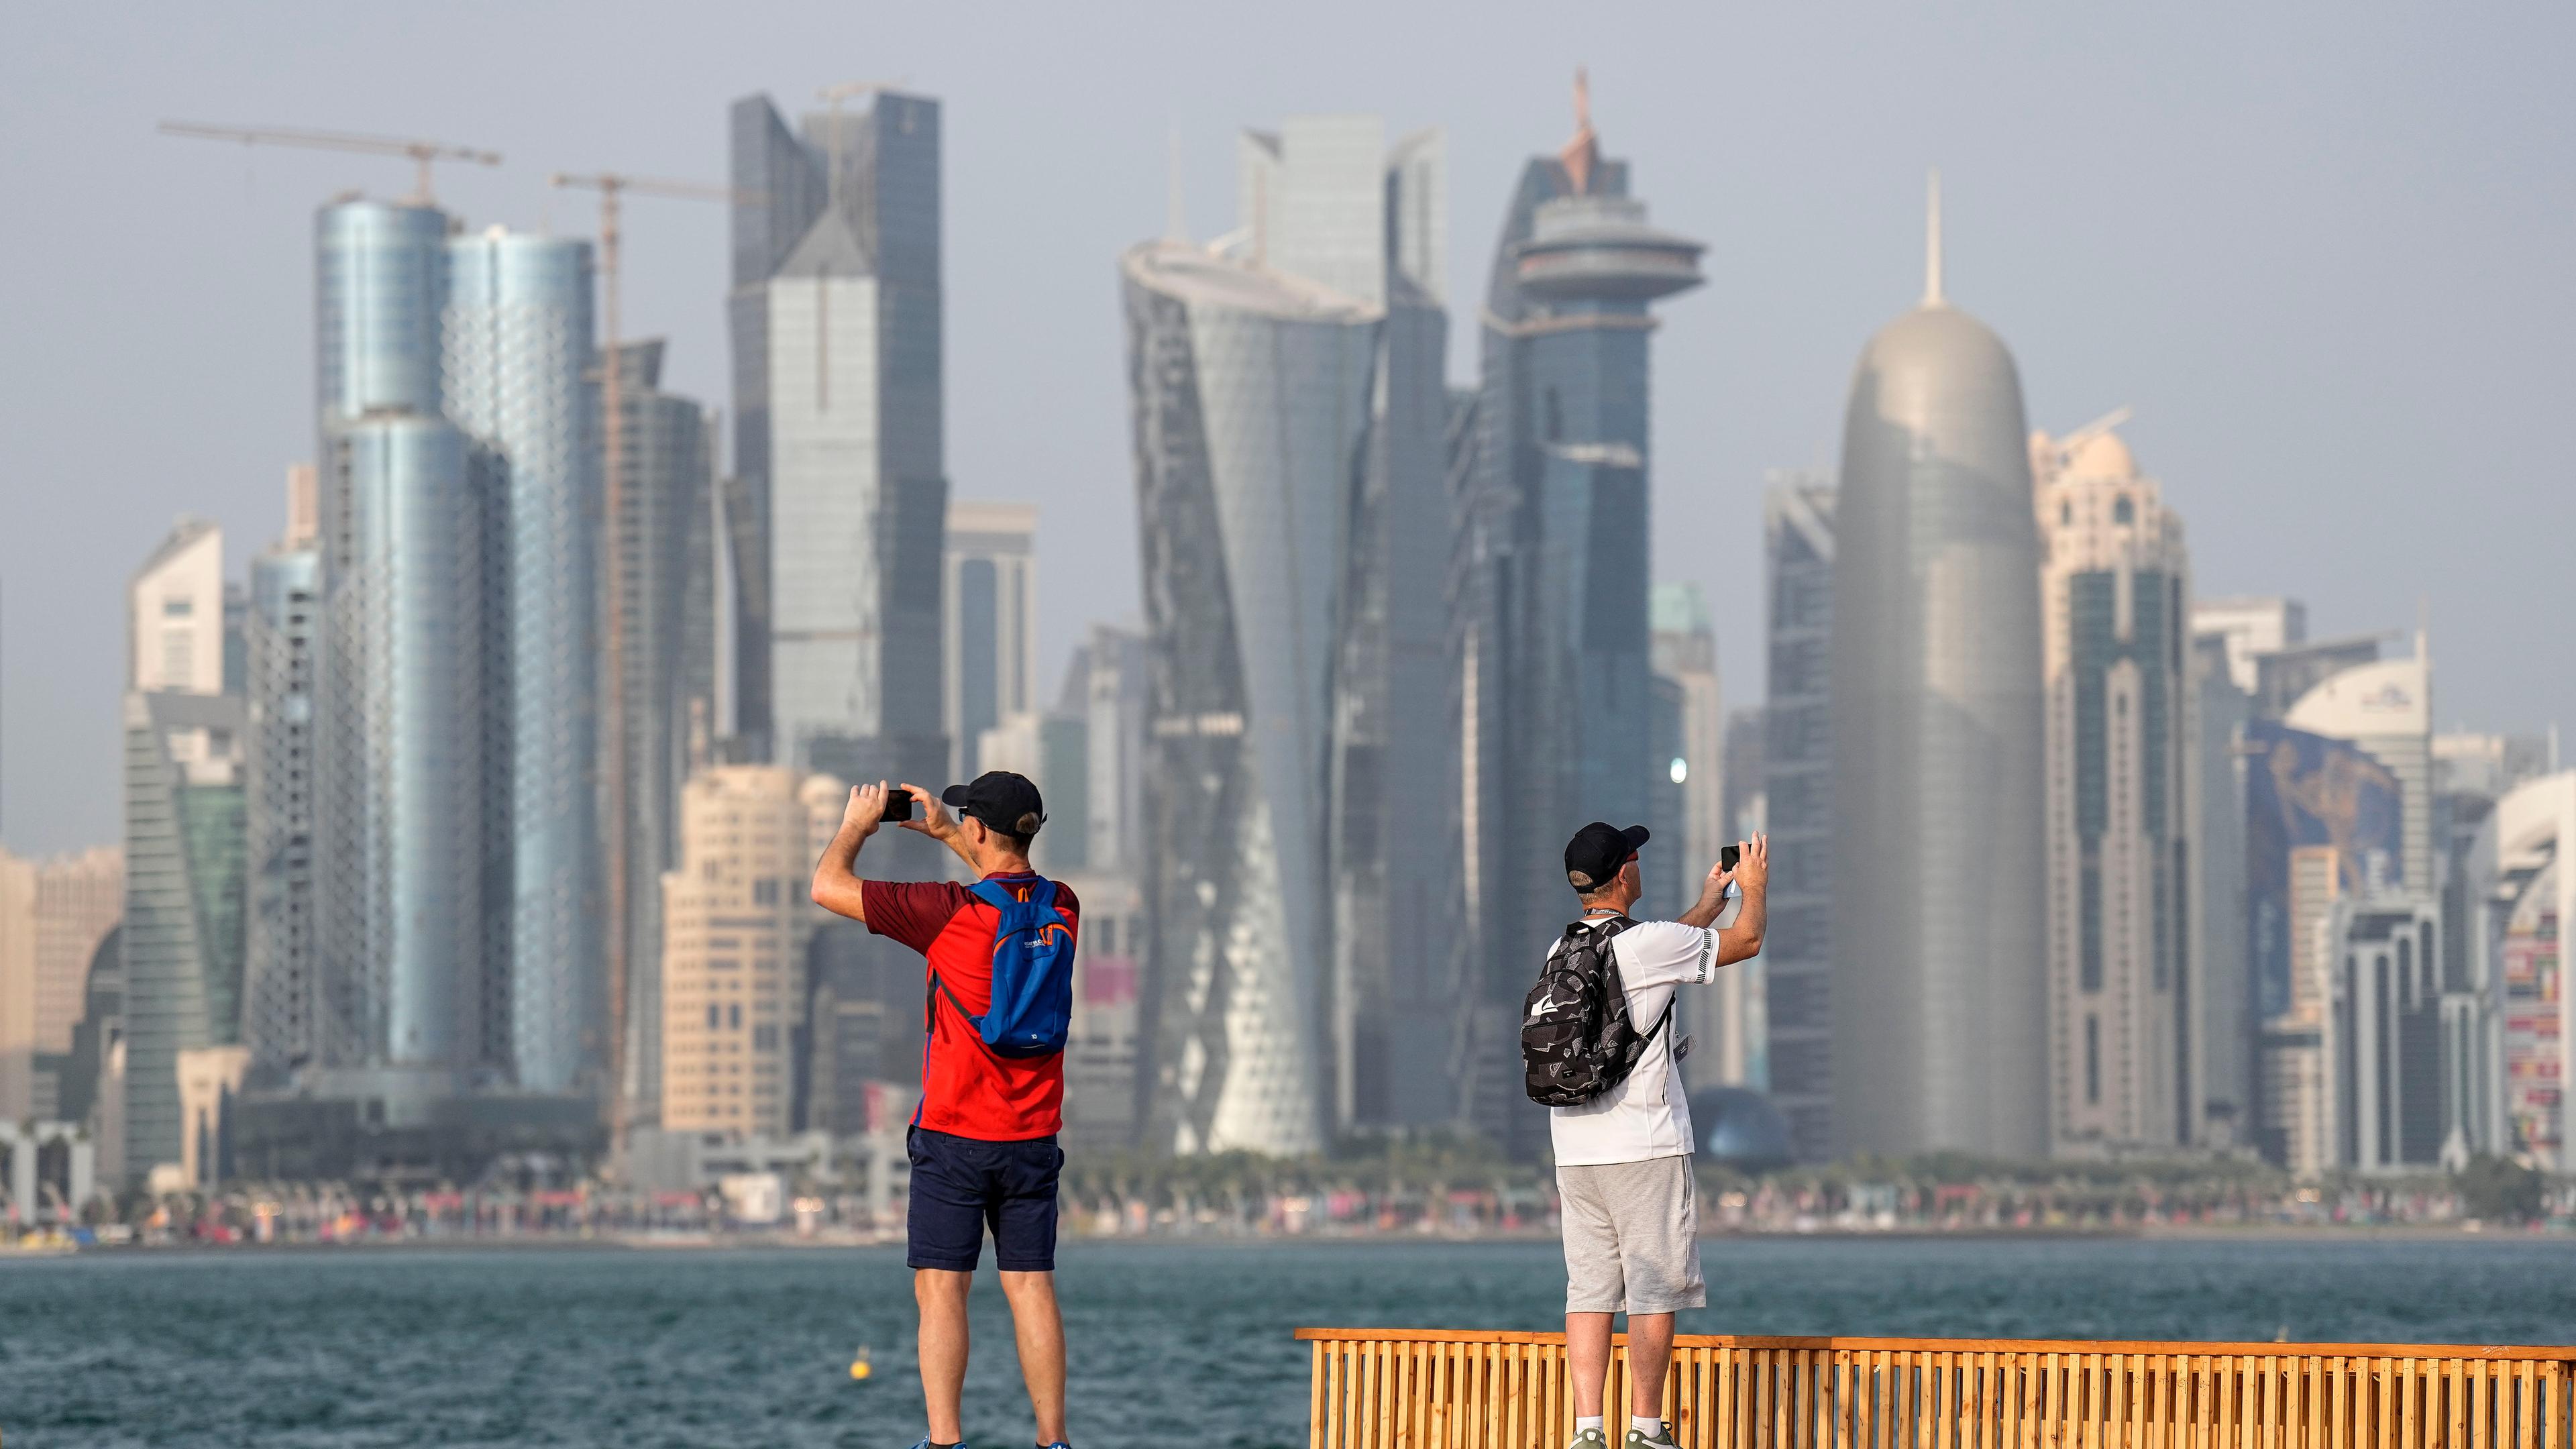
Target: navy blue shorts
<point>962,1186</point>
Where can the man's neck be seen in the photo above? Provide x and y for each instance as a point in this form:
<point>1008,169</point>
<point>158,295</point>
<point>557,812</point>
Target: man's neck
<point>1007,865</point>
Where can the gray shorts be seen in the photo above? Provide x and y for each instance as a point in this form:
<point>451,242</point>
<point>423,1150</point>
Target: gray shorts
<point>1631,1237</point>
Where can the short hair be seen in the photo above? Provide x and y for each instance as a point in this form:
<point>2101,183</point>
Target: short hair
<point>1020,838</point>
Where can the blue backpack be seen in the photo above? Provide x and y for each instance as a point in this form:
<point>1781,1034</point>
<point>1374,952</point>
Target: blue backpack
<point>1032,1011</point>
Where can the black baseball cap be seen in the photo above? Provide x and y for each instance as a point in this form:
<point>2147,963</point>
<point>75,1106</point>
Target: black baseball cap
<point>1007,802</point>
<point>1597,851</point>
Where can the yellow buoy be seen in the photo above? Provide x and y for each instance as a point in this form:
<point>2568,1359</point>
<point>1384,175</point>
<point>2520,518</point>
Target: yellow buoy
<point>859,1367</point>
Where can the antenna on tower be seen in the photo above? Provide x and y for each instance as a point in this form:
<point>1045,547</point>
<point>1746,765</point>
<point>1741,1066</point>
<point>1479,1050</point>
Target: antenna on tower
<point>1932,243</point>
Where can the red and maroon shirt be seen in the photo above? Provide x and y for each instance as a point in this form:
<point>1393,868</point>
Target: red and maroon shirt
<point>966,1089</point>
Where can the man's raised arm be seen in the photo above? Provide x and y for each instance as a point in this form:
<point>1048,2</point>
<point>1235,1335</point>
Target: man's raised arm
<point>1743,940</point>
<point>836,886</point>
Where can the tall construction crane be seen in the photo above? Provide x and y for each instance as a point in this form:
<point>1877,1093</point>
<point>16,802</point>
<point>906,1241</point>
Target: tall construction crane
<point>422,153</point>
<point>611,186</point>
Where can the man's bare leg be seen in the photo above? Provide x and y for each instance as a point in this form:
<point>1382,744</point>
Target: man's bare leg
<point>1650,1354</point>
<point>942,1296</point>
<point>1587,1360</point>
<point>1039,1324</point>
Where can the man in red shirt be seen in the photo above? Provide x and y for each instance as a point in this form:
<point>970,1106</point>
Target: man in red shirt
<point>982,1144</point>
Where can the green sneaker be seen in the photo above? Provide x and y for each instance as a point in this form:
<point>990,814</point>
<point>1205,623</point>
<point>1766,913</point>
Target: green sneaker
<point>1663,1439</point>
<point>1588,1439</point>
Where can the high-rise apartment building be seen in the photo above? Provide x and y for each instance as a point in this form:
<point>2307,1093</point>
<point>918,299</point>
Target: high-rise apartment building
<point>989,594</point>
<point>1797,752</point>
<point>835,313</point>
<point>736,920</point>
<point>517,345</point>
<point>2124,979</point>
<point>1940,969</point>
<point>283,1006</point>
<point>2385,709</point>
<point>1552,633</point>
<point>665,536</point>
<point>414,784</point>
<point>1289,441</point>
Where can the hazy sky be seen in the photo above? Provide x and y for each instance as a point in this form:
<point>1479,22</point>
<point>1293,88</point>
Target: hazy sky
<point>2325,250</point>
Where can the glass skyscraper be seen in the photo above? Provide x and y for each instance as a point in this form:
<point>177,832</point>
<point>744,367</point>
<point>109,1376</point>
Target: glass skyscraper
<point>184,849</point>
<point>1551,601</point>
<point>1290,456</point>
<point>282,1006</point>
<point>1940,971</point>
<point>835,314</point>
<point>1797,959</point>
<point>413,793</point>
<point>517,343</point>
<point>666,534</point>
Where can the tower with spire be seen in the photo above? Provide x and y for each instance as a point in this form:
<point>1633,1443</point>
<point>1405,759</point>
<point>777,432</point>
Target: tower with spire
<point>1550,642</point>
<point>1939,983</point>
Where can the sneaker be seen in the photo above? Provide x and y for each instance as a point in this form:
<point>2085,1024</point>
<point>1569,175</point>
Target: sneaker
<point>926,1444</point>
<point>1588,1439</point>
<point>1663,1438</point>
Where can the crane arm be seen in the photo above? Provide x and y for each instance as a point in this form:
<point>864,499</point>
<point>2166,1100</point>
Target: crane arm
<point>652,186</point>
<point>333,141</point>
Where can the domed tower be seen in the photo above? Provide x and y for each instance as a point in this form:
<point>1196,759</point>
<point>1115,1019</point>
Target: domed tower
<point>1939,984</point>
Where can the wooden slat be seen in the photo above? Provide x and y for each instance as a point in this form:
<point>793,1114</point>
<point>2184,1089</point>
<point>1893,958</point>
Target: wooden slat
<point>1419,1389</point>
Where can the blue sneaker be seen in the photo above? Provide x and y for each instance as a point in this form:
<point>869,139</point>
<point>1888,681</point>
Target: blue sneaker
<point>926,1444</point>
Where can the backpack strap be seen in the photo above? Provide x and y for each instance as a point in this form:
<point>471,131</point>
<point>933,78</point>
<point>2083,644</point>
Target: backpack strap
<point>1605,929</point>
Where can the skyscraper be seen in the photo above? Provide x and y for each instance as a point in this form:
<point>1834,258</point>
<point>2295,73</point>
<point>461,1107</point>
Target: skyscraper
<point>283,1005</point>
<point>2124,974</point>
<point>1940,977</point>
<point>2248,626</point>
<point>183,839</point>
<point>1553,626</point>
<point>1290,447</point>
<point>2522,876</point>
<point>1797,754</point>
<point>835,314</point>
<point>2223,1010</point>
<point>990,600</point>
<point>665,533</point>
<point>517,341</point>
<point>414,789</point>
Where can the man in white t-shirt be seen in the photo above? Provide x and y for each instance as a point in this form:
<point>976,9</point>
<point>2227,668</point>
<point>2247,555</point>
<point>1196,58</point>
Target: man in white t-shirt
<point>1623,1160</point>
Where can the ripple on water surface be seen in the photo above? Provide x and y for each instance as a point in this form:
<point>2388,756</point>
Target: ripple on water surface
<point>1171,1345</point>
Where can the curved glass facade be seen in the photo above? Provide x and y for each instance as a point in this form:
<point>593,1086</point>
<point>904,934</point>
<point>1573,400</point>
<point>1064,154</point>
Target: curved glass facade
<point>1940,987</point>
<point>414,869</point>
<point>1252,402</point>
<point>381,285</point>
<point>517,347</point>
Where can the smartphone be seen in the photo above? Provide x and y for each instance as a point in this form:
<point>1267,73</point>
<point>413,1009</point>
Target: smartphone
<point>1728,855</point>
<point>899,805</point>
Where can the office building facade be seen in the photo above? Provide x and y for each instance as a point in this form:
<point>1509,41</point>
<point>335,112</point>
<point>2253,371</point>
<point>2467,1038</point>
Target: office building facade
<point>1796,747</point>
<point>1940,980</point>
<point>2123,802</point>
<point>78,899</point>
<point>989,597</point>
<point>2384,1052</point>
<point>2521,885</point>
<point>2247,626</point>
<point>1692,780</point>
<point>836,319</point>
<point>1552,631</point>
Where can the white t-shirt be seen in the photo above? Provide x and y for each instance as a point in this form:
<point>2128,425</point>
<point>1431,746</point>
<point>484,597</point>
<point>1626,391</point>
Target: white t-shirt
<point>1646,1116</point>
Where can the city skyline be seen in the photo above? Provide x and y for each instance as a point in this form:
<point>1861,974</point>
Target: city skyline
<point>1811,228</point>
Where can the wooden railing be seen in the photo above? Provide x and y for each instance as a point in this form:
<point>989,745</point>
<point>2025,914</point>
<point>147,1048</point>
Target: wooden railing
<point>1380,1388</point>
